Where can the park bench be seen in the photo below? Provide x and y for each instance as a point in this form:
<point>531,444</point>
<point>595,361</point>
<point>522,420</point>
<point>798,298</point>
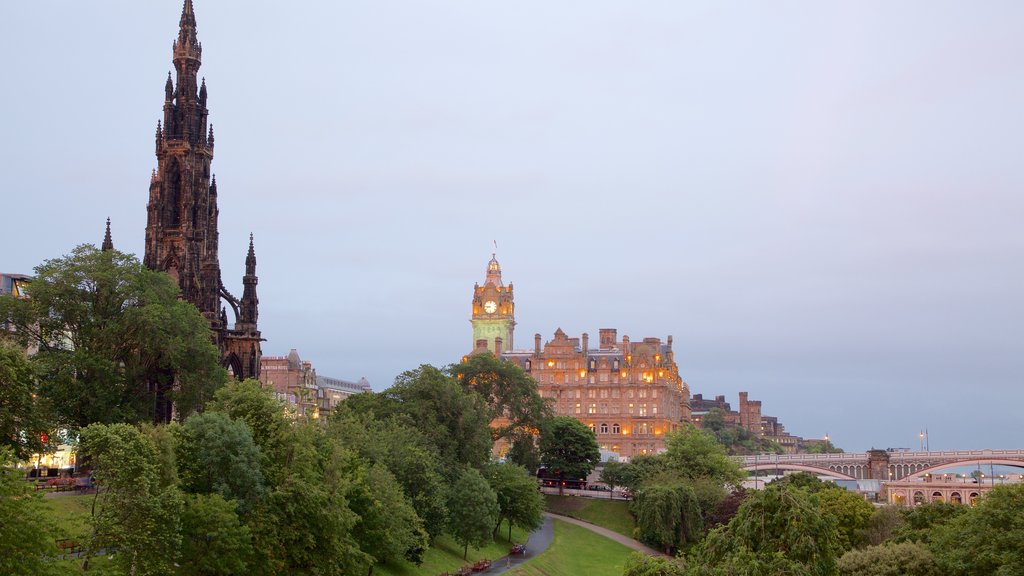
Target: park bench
<point>68,546</point>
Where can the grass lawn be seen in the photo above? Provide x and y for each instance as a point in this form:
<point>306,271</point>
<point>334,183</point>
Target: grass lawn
<point>70,514</point>
<point>576,551</point>
<point>446,556</point>
<point>611,514</point>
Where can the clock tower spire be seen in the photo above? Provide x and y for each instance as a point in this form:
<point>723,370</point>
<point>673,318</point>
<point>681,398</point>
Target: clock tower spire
<point>493,316</point>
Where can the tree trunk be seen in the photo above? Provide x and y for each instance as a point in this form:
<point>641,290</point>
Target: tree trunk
<point>509,530</point>
<point>465,551</point>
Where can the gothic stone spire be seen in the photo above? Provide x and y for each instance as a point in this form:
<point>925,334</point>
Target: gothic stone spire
<point>108,243</point>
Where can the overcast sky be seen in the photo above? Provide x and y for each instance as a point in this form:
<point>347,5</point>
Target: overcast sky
<point>821,201</point>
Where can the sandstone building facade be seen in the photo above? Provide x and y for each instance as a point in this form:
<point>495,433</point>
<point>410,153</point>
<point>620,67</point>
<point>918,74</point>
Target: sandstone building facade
<point>629,393</point>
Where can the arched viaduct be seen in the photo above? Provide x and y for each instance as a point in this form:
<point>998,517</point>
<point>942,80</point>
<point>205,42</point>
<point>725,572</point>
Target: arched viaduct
<point>882,465</point>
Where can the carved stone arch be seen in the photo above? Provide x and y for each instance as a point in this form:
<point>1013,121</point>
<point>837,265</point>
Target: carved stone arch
<point>231,300</point>
<point>234,365</point>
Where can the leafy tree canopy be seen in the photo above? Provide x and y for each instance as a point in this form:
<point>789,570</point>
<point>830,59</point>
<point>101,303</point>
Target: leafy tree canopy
<point>134,514</point>
<point>736,439</point>
<point>455,421</point>
<point>987,539</point>
<point>217,455</point>
<point>474,510</point>
<point>694,453</point>
<point>115,342</point>
<point>519,501</point>
<point>398,445</point>
<point>214,541</point>
<point>668,517</point>
<point>23,415</point>
<point>778,530</point>
<point>640,564</point>
<point>904,559</point>
<point>568,447</point>
<point>511,394</point>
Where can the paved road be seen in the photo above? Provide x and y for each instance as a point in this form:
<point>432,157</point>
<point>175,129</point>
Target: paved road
<point>537,542</point>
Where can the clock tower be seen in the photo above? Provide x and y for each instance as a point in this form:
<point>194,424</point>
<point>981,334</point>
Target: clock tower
<point>493,312</point>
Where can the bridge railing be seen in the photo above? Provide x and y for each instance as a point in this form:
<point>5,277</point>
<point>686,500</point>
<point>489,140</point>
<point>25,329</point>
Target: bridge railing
<point>894,457</point>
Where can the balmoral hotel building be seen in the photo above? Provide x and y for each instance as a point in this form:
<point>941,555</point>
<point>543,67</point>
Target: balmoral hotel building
<point>629,393</point>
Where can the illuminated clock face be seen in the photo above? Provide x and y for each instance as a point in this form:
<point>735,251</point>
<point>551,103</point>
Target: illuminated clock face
<point>490,306</point>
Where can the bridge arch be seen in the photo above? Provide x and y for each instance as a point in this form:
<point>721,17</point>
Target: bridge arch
<point>971,462</point>
<point>798,467</point>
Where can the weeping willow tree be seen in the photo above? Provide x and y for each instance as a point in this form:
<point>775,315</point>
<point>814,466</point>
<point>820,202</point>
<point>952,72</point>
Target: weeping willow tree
<point>668,516</point>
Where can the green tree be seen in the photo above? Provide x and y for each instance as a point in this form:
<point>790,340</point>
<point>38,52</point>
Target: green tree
<point>217,455</point>
<point>523,451</point>
<point>388,527</point>
<point>455,421</point>
<point>985,540</point>
<point>303,524</point>
<point>23,419</point>
<point>474,510</point>
<point>214,541</point>
<point>249,402</point>
<point>115,342</point>
<point>397,444</point>
<point>736,439</point>
<point>515,405</point>
<point>568,448</point>
<point>613,473</point>
<point>778,530</point>
<point>694,453</point>
<point>640,564</point>
<point>904,559</point>
<point>26,533</point>
<point>519,501</point>
<point>132,514</point>
<point>882,526</point>
<point>644,469</point>
<point>921,521</point>
<point>823,448</point>
<point>667,517</point>
<point>850,510</point>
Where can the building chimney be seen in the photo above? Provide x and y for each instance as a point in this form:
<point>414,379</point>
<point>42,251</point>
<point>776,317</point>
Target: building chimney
<point>607,338</point>
<point>497,346</point>
<point>536,344</point>
<point>586,343</point>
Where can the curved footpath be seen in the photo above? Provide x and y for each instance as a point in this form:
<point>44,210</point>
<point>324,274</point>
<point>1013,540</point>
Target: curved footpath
<point>541,538</point>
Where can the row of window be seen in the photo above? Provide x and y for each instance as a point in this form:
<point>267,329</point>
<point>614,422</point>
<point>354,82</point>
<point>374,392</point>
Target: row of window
<point>633,410</point>
<point>603,393</point>
<point>642,429</point>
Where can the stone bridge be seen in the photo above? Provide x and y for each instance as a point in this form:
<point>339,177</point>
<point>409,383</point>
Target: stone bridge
<point>881,465</point>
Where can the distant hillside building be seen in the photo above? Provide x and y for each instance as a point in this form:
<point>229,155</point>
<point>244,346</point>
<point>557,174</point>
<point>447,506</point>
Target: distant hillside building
<point>749,417</point>
<point>629,393</point>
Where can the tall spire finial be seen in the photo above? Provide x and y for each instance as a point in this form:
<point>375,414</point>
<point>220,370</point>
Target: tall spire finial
<point>108,243</point>
<point>494,269</point>
<point>250,258</point>
<point>187,44</point>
